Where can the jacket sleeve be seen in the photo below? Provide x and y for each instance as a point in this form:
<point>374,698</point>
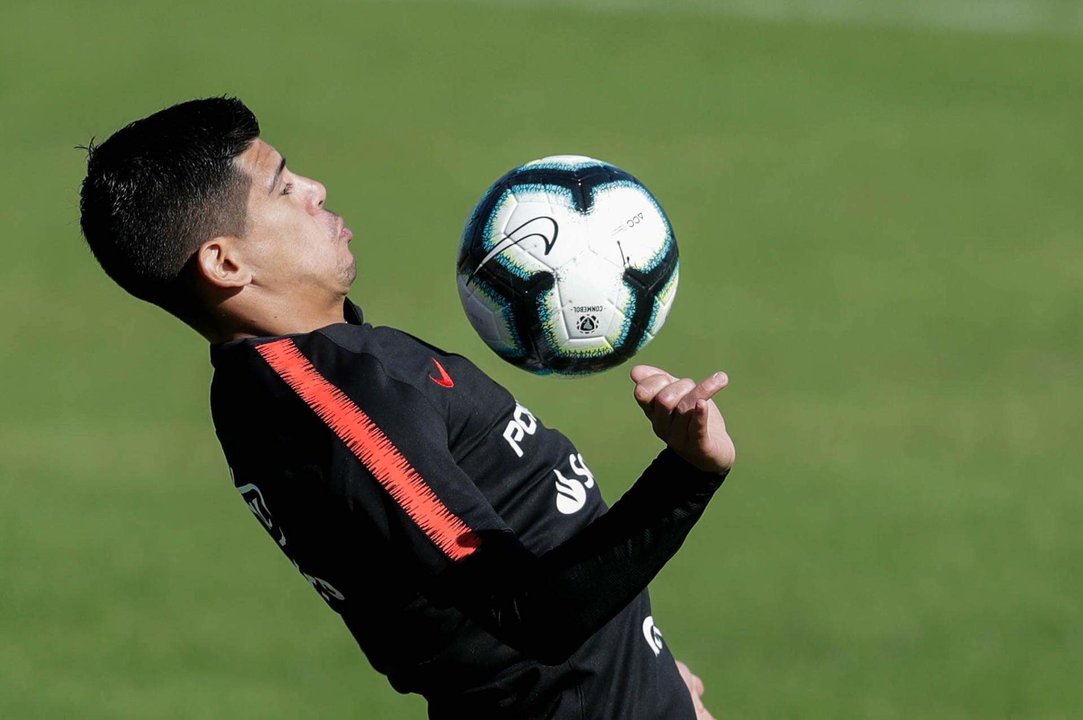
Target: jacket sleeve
<point>393,442</point>
<point>523,599</point>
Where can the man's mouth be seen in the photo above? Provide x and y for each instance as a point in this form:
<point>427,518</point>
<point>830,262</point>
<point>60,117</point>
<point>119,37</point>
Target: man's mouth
<point>343,231</point>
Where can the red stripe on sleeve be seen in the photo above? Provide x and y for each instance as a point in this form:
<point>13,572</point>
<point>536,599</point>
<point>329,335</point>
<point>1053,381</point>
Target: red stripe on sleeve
<point>373,448</point>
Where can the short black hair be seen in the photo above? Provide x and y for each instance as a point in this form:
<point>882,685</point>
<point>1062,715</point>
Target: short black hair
<point>161,186</point>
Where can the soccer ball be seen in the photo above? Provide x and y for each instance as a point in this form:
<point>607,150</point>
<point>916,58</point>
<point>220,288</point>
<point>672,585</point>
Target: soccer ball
<point>567,265</point>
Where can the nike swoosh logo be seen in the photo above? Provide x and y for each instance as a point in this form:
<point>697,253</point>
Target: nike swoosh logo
<point>535,227</point>
<point>444,380</point>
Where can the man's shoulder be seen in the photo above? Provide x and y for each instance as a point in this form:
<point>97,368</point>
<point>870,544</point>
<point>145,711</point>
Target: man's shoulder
<point>383,361</point>
<point>347,354</point>
<point>328,345</point>
<point>379,341</point>
<point>391,352</point>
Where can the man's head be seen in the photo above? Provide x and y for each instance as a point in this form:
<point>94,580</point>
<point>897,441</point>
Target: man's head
<point>190,210</point>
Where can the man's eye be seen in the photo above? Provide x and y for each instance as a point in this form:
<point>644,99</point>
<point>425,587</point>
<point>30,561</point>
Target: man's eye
<point>287,189</point>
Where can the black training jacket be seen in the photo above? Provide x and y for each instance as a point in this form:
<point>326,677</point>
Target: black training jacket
<point>465,545</point>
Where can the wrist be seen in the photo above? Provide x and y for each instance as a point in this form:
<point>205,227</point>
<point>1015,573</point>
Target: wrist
<point>674,463</point>
<point>705,465</point>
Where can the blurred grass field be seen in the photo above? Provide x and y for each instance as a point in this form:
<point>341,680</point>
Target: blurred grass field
<point>880,228</point>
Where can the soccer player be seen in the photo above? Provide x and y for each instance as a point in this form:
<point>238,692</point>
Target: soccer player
<point>411,490</point>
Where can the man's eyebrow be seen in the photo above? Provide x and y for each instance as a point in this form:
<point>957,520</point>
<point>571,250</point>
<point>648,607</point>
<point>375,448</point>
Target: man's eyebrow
<point>278,173</point>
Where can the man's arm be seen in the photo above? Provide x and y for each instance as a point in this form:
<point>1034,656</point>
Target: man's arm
<point>523,599</point>
<point>548,606</point>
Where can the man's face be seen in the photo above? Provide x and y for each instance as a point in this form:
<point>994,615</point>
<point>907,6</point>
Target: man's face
<point>292,243</point>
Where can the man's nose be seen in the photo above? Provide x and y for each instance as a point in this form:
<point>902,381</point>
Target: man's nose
<point>317,194</point>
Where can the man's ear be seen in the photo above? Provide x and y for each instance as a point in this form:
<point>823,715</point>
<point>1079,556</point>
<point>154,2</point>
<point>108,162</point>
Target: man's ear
<point>219,262</point>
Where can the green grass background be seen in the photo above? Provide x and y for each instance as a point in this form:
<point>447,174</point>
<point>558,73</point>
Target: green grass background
<point>880,235</point>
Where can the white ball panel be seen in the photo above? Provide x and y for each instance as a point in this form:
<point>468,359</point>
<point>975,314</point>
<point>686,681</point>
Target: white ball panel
<point>627,222</point>
<point>586,285</point>
<point>570,339</point>
<point>587,321</point>
<point>539,233</point>
<point>489,319</point>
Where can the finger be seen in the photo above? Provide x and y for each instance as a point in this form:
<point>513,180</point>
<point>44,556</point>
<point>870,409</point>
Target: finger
<point>674,426</point>
<point>662,411</point>
<point>687,678</point>
<point>669,396</point>
<point>699,429</point>
<point>708,388</point>
<point>693,681</point>
<point>697,684</point>
<point>640,373</point>
<point>647,389</point>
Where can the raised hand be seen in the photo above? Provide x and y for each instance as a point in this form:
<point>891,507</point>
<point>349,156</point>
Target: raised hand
<point>695,689</point>
<point>685,417</point>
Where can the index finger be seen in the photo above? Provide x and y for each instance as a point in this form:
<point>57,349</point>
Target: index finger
<point>708,388</point>
<point>640,373</point>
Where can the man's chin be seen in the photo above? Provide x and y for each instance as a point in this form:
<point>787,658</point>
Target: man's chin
<point>348,276</point>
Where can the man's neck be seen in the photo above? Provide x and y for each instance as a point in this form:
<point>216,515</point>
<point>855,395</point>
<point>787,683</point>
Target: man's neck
<point>274,319</point>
